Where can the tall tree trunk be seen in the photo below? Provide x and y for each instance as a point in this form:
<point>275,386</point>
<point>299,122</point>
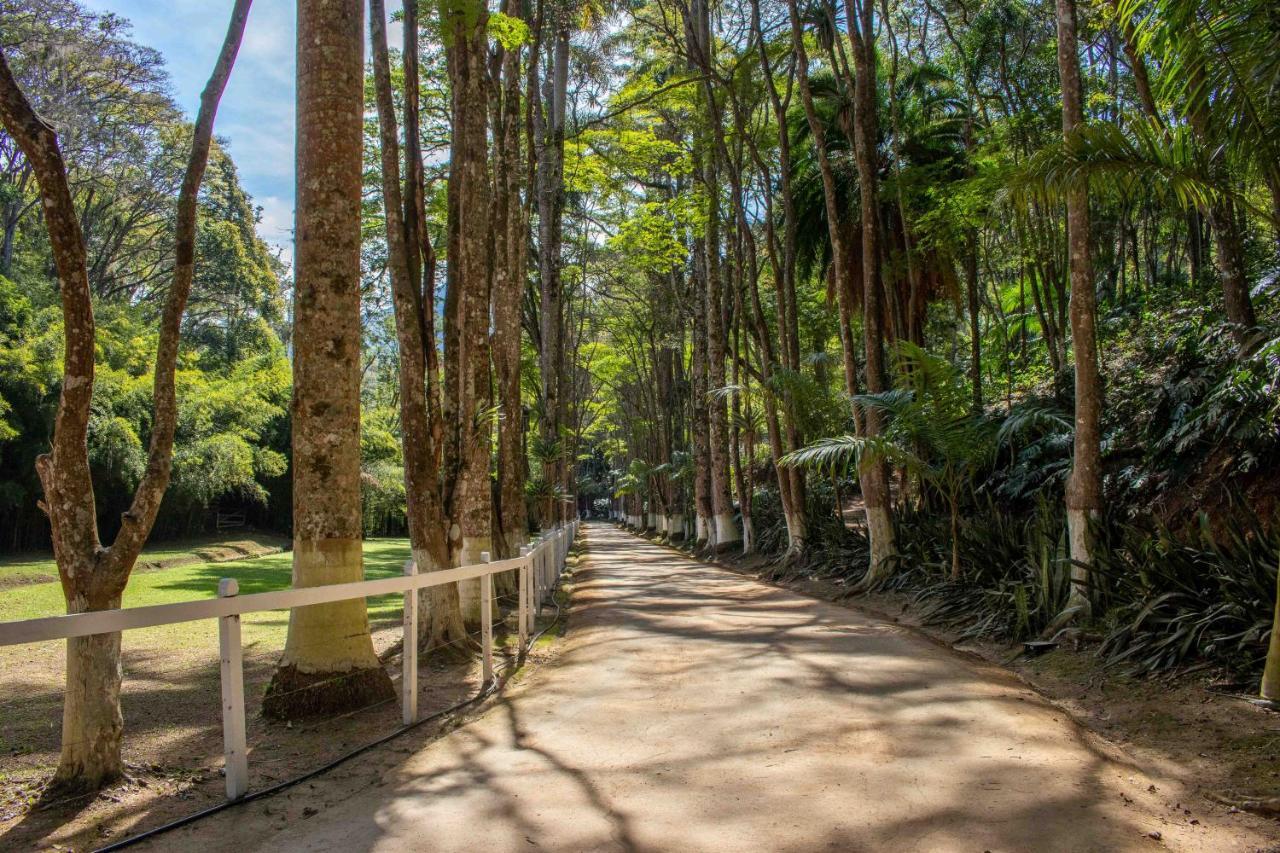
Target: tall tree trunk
<point>1270,688</point>
<point>873,475</point>
<point>1084,486</point>
<point>466,42</point>
<point>93,577</point>
<point>424,507</point>
<point>329,663</point>
<point>727,533</point>
<point>784,434</point>
<point>742,439</point>
<point>664,381</point>
<point>508,291</point>
<point>704,514</point>
<point>1228,257</point>
<point>975,329</point>
<point>547,98</point>
<point>441,624</point>
<point>700,47</point>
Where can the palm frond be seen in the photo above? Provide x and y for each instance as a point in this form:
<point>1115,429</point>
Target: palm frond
<point>848,452</point>
<point>1139,159</point>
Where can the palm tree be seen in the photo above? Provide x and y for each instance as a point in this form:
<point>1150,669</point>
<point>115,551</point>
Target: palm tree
<point>1219,63</point>
<point>635,483</point>
<point>930,432</point>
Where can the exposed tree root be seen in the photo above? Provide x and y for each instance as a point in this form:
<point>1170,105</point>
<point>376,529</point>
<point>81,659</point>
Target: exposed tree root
<point>1266,806</point>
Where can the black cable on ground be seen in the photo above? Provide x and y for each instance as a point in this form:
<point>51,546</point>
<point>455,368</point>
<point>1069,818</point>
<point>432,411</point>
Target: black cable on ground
<point>490,689</point>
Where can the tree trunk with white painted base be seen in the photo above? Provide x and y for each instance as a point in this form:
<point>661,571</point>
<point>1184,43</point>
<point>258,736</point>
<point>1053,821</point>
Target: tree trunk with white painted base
<point>94,577</point>
<point>410,263</point>
<point>510,262</point>
<point>873,476</point>
<point>1270,689</point>
<point>1084,485</point>
<point>470,275</point>
<point>329,664</point>
<point>704,533</point>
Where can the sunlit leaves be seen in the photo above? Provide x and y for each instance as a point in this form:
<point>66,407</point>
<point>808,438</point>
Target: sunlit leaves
<point>653,238</point>
<point>508,31</point>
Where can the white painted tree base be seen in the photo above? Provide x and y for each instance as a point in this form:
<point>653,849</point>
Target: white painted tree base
<point>727,532</point>
<point>701,529</point>
<point>1080,548</point>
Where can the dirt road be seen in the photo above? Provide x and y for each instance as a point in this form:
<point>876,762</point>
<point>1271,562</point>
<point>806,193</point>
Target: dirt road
<point>694,710</point>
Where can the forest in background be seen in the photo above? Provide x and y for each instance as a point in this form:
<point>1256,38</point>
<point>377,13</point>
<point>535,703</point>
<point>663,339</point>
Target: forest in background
<point>123,136</point>
<point>924,290</point>
<point>969,300</point>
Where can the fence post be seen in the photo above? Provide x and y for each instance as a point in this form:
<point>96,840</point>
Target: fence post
<point>537,573</point>
<point>549,564</point>
<point>409,655</point>
<point>486,623</point>
<point>553,565</point>
<point>522,612</point>
<point>234,748</point>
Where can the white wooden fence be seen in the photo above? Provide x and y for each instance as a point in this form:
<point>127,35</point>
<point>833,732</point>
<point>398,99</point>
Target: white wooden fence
<point>539,565</point>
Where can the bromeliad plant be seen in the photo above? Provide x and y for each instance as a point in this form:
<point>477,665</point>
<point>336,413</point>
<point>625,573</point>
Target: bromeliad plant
<point>1178,600</point>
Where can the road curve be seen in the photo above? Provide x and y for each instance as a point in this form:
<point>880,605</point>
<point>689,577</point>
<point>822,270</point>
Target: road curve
<point>692,709</point>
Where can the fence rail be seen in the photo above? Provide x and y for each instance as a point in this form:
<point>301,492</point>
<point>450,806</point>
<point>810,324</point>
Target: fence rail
<point>539,565</point>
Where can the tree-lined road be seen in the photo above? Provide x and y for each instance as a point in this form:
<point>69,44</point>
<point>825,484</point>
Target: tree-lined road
<point>694,710</point>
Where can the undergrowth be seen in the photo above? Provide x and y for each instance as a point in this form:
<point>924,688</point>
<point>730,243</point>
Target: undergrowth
<point>1187,547</point>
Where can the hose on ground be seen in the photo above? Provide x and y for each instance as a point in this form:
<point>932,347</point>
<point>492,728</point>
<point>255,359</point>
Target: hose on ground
<point>490,689</point>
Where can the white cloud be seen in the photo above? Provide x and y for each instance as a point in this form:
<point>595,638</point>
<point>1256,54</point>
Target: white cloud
<point>256,114</point>
<point>276,226</point>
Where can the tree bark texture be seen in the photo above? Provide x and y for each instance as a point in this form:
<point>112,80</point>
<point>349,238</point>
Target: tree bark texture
<point>94,577</point>
<point>873,475</point>
<point>470,269</point>
<point>1084,485</point>
<point>424,504</point>
<point>508,290</point>
<point>328,663</point>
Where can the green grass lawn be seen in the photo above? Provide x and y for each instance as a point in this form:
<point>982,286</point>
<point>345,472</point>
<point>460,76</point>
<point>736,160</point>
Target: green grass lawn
<point>171,672</point>
<point>37,568</point>
<point>382,558</point>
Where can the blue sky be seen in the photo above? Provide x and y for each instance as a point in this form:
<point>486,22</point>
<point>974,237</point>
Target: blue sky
<point>256,113</point>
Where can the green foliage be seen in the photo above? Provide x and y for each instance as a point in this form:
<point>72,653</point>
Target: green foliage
<point>508,31</point>
<point>1180,599</point>
<point>1016,578</point>
<point>636,479</point>
<point>1139,160</point>
<point>654,234</point>
<point>1213,404</point>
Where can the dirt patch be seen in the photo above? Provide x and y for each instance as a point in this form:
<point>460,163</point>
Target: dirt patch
<point>695,710</point>
<point>173,736</point>
<point>26,580</point>
<point>217,552</point>
<point>223,552</point>
<point>1195,728</point>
